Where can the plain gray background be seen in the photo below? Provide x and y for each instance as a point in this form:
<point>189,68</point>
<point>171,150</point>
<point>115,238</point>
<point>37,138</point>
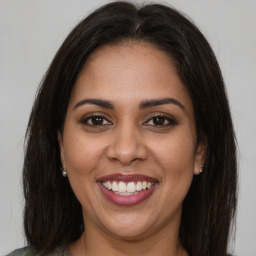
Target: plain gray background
<point>31,32</point>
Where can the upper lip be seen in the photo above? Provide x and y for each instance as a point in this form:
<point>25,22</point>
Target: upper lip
<point>126,177</point>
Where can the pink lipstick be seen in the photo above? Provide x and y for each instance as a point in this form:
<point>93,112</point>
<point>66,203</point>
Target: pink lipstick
<point>126,190</point>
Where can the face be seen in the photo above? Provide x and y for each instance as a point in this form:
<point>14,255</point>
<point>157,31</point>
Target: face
<point>129,141</point>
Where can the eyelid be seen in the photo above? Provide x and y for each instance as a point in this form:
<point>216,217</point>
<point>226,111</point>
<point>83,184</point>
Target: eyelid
<point>172,121</point>
<point>97,114</point>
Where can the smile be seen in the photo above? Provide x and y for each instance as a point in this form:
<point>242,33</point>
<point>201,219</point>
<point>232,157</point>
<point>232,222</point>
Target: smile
<point>126,190</point>
<point>131,188</point>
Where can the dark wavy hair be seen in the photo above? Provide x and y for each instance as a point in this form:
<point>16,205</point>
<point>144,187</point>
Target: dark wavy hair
<point>53,215</point>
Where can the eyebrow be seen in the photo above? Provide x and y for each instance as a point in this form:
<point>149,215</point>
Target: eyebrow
<point>157,102</point>
<point>143,104</point>
<point>98,102</point>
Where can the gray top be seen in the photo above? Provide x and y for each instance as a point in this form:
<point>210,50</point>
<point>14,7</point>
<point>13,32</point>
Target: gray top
<point>30,251</point>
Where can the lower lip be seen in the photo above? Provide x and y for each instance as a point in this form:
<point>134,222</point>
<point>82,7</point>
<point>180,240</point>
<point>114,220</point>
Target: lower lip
<point>127,200</point>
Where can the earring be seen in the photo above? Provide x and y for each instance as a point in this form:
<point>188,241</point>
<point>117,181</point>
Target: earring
<point>64,172</point>
<point>202,168</point>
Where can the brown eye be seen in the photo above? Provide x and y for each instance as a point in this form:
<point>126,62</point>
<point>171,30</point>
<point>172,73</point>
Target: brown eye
<point>161,121</point>
<point>158,120</point>
<point>95,120</point>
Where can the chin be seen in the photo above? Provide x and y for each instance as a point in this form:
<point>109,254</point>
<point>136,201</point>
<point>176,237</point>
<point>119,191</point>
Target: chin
<point>130,232</point>
<point>127,226</point>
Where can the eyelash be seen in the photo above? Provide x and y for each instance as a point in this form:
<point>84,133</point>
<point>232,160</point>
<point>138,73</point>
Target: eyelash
<point>85,119</point>
<point>171,121</point>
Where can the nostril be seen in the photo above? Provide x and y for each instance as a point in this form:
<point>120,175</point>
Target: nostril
<point>126,153</point>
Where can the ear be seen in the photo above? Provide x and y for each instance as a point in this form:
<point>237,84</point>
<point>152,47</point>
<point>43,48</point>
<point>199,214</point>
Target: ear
<point>200,156</point>
<point>60,140</point>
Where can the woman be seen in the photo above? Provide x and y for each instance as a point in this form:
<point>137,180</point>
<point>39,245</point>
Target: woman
<point>130,144</point>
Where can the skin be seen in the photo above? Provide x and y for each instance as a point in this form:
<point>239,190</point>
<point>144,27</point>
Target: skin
<point>130,142</point>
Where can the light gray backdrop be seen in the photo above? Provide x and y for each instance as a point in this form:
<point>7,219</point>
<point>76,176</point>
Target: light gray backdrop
<point>31,32</point>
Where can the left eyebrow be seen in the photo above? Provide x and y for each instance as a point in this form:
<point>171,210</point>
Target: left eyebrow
<point>157,102</point>
<point>98,102</point>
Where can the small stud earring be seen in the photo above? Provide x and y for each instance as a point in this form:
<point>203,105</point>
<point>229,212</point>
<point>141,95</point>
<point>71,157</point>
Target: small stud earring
<point>202,168</point>
<point>64,172</point>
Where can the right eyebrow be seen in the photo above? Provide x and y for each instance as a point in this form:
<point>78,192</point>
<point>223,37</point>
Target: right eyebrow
<point>158,102</point>
<point>98,102</point>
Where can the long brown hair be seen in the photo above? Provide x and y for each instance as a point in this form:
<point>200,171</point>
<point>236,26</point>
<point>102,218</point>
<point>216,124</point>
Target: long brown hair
<point>53,215</point>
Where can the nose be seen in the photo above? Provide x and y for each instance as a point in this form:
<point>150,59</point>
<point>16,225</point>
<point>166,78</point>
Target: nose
<point>127,146</point>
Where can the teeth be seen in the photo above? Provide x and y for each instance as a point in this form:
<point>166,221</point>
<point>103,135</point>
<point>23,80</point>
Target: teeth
<point>121,187</point>
<point>139,186</point>
<point>125,193</point>
<point>129,188</point>
<point>149,185</point>
<point>109,185</point>
<point>114,186</point>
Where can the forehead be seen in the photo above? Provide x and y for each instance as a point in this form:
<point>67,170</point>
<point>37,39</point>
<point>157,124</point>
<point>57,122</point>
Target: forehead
<point>130,72</point>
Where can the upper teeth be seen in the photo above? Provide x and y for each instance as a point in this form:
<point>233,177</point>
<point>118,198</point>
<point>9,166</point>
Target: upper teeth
<point>130,187</point>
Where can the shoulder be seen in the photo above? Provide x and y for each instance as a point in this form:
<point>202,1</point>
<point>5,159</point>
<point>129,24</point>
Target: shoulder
<point>26,251</point>
<point>30,251</point>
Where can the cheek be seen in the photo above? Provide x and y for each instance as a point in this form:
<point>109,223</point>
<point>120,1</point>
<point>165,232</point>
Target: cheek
<point>176,153</point>
<point>176,157</point>
<point>82,155</point>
